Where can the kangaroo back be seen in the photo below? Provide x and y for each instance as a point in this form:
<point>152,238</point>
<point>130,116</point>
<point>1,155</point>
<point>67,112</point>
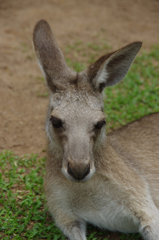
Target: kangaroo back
<point>138,144</point>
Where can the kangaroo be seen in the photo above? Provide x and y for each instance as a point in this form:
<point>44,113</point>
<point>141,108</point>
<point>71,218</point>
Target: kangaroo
<point>108,181</point>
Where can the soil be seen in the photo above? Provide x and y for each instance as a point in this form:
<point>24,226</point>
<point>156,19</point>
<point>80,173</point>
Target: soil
<point>22,103</point>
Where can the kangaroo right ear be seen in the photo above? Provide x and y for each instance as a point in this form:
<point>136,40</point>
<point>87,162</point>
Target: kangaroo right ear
<point>111,68</point>
<point>50,57</point>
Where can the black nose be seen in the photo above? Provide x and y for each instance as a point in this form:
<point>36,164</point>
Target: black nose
<point>78,172</point>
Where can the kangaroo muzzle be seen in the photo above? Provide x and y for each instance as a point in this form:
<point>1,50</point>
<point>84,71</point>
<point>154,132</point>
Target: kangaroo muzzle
<point>78,161</point>
<point>78,171</point>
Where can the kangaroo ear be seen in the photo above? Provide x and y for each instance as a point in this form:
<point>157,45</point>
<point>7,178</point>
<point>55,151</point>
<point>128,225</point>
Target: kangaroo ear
<point>111,68</point>
<point>50,57</point>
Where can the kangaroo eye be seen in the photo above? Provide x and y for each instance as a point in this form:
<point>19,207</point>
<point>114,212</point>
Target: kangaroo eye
<point>56,122</point>
<point>100,124</point>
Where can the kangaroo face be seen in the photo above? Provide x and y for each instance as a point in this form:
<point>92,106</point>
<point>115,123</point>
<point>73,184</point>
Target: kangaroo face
<point>76,120</point>
<point>76,123</point>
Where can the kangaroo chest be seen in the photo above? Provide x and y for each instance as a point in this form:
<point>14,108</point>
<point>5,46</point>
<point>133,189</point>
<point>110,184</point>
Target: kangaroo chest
<point>98,205</point>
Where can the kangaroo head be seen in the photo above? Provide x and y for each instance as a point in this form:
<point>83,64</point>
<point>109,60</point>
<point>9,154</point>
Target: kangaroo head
<point>76,121</point>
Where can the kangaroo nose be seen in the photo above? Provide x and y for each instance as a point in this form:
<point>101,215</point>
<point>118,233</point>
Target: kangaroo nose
<point>78,171</point>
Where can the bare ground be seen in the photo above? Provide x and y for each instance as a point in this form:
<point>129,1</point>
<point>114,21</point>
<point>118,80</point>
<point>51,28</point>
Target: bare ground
<point>22,107</point>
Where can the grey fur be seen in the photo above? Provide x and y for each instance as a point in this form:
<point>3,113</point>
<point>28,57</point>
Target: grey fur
<point>119,191</point>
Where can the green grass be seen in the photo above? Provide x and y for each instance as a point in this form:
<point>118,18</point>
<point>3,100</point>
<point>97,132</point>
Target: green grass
<point>23,211</point>
<point>23,214</point>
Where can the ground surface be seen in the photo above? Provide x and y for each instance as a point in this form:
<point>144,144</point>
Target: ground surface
<point>84,30</point>
<point>22,92</point>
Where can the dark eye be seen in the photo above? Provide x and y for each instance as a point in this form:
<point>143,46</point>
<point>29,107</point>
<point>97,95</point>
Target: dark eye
<point>100,124</point>
<point>56,122</point>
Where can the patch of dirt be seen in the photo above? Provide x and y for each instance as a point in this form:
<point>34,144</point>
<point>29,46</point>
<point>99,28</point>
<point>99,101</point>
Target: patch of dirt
<point>22,105</point>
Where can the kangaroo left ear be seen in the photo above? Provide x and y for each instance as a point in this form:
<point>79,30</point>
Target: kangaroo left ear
<point>51,58</point>
<point>111,68</point>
